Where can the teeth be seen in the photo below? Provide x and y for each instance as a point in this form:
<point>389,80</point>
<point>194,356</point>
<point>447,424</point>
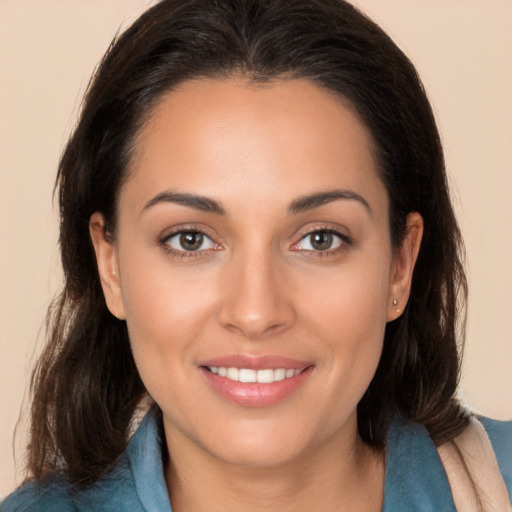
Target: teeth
<point>232,373</point>
<point>279,374</point>
<point>245,375</point>
<point>266,376</point>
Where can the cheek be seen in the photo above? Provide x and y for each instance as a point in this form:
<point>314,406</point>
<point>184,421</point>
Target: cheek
<point>162,307</point>
<point>350,301</point>
<point>348,309</point>
<point>165,311</point>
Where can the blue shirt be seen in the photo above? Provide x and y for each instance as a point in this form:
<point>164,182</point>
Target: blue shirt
<point>415,477</point>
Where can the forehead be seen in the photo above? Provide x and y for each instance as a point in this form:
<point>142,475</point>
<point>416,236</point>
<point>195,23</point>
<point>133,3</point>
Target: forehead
<point>279,139</point>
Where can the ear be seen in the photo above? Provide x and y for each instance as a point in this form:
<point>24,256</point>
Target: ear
<point>403,266</point>
<point>106,259</point>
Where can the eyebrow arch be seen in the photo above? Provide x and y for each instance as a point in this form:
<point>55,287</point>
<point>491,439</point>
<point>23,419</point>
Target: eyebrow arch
<point>320,198</point>
<point>202,203</point>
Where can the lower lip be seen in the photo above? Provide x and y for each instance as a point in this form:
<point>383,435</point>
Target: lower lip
<point>255,394</point>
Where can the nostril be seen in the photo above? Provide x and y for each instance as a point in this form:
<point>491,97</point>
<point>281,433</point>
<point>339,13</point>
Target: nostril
<point>255,308</point>
<point>255,329</point>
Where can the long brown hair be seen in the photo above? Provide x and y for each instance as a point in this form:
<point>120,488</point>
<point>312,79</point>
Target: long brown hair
<point>86,388</point>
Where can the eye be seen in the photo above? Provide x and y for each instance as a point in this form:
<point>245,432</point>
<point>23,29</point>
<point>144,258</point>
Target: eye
<point>189,241</point>
<point>321,240</point>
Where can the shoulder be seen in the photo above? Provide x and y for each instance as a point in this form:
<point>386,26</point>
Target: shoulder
<point>113,492</point>
<point>416,474</point>
<point>136,483</point>
<point>51,497</point>
<point>415,477</point>
<point>500,435</point>
<point>472,468</point>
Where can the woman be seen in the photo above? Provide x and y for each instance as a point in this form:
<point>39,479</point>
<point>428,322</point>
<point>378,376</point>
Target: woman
<point>259,246</point>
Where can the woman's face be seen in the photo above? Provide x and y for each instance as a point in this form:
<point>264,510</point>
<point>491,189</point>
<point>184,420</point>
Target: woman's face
<point>254,268</point>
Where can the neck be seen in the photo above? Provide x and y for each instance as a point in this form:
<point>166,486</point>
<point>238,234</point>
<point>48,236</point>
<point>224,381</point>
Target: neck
<point>336,476</point>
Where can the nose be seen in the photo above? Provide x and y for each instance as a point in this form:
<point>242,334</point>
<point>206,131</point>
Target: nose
<point>256,301</point>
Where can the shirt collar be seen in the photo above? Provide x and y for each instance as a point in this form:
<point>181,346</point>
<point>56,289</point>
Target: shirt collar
<point>415,476</point>
<point>145,455</point>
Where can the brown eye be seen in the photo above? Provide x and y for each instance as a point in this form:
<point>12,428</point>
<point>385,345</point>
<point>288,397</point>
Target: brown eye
<point>321,241</point>
<point>189,241</point>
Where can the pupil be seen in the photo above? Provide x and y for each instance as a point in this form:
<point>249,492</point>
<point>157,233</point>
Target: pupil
<point>191,241</point>
<point>321,241</point>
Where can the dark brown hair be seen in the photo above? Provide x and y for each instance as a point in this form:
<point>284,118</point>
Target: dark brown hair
<point>86,388</point>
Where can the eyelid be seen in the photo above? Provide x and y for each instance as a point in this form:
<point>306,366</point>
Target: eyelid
<point>204,240</point>
<point>186,228</point>
<point>345,239</point>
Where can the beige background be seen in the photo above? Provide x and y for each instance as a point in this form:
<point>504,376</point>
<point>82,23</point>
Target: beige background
<point>462,48</point>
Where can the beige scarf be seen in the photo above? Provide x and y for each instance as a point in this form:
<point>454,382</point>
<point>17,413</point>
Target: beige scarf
<point>481,472</point>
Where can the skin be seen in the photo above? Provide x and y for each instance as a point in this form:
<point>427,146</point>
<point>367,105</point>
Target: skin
<point>258,287</point>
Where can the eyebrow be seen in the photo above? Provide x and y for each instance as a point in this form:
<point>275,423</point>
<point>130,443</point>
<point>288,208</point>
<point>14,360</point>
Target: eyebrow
<point>202,203</point>
<point>301,204</point>
<point>312,201</point>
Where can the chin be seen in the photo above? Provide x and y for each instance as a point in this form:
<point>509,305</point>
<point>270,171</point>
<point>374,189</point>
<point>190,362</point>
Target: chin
<point>263,444</point>
<point>255,455</point>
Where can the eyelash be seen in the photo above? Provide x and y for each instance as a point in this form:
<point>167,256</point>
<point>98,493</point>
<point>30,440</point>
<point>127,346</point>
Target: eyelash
<point>345,241</point>
<point>184,254</point>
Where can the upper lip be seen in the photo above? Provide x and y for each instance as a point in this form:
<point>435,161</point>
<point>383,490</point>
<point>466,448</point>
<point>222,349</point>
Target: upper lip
<point>255,362</point>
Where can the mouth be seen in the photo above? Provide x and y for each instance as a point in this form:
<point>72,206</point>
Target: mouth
<point>255,381</point>
<point>250,375</point>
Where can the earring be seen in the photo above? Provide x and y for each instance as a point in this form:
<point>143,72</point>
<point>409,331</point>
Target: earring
<point>395,304</point>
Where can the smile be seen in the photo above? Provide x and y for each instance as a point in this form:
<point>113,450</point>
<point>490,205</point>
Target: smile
<point>255,381</point>
<point>249,375</point>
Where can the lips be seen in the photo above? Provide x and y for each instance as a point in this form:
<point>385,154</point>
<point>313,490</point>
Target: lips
<point>255,381</point>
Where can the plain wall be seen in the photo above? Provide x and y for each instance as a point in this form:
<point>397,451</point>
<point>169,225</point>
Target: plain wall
<point>463,50</point>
